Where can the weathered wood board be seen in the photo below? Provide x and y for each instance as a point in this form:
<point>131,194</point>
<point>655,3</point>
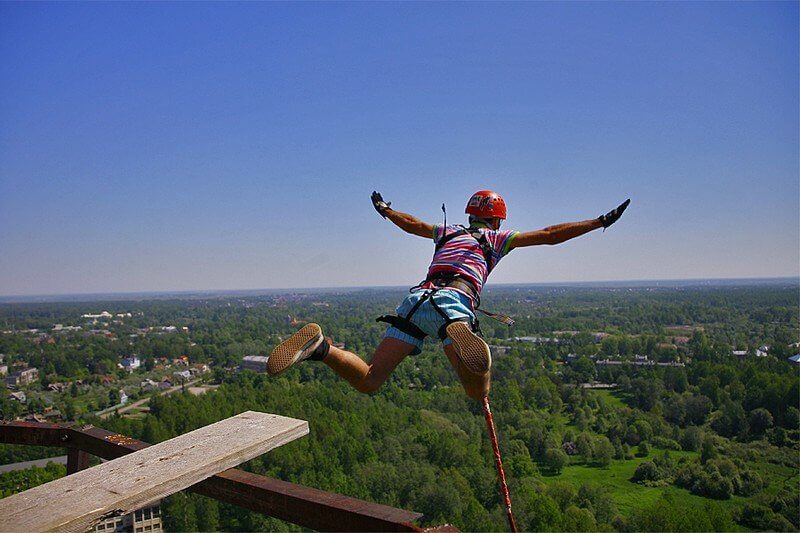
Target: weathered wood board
<point>75,502</point>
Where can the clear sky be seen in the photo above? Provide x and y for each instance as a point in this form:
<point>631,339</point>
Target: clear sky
<point>178,146</point>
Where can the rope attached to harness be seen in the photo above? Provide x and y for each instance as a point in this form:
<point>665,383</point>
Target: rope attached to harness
<point>498,463</point>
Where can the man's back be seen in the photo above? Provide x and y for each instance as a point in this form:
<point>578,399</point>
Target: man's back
<point>463,255</point>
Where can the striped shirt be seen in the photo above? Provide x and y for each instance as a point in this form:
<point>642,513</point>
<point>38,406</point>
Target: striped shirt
<point>463,255</point>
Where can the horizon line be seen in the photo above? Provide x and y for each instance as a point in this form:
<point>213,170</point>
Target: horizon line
<point>42,298</point>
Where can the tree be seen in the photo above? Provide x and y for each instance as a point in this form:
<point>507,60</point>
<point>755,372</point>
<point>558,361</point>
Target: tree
<point>647,471</point>
<point>760,420</point>
<point>644,449</point>
<point>585,369</point>
<point>603,451</point>
<point>709,451</point>
<point>691,439</point>
<point>730,420</point>
<point>69,409</point>
<point>697,408</point>
<point>585,446</point>
<point>577,519</point>
<point>555,460</point>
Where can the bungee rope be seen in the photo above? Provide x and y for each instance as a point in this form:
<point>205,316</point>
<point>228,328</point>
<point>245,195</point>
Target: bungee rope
<point>487,412</point>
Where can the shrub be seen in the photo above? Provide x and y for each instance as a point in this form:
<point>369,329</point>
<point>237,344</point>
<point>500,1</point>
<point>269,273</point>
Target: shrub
<point>666,444</point>
<point>692,439</point>
<point>647,471</point>
<point>751,483</point>
<point>713,485</point>
<point>603,451</point>
<point>762,518</point>
<point>759,421</point>
<point>555,460</point>
<point>643,450</point>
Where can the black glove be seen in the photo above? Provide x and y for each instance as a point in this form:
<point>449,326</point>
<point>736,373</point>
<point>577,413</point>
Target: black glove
<point>379,204</point>
<point>613,215</point>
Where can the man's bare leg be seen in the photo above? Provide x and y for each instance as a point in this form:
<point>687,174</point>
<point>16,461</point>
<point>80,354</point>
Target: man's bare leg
<point>368,377</point>
<point>475,385</point>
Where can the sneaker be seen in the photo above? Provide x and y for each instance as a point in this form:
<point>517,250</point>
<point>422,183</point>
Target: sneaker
<point>299,347</point>
<point>471,349</point>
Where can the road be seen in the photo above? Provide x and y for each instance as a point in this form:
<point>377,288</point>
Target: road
<point>105,413</point>
<point>41,463</point>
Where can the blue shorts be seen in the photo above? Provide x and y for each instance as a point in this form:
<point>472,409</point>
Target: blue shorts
<point>453,303</point>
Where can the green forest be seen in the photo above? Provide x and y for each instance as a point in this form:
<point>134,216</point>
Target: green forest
<point>704,441</point>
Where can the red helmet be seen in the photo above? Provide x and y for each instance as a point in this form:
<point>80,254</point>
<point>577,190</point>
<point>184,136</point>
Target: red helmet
<point>486,204</point>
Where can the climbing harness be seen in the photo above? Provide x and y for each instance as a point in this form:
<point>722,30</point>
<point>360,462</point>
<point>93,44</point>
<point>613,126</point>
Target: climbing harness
<point>449,280</point>
<point>487,413</point>
<point>455,281</point>
<point>404,324</point>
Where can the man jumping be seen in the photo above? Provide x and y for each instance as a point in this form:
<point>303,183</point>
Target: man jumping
<point>444,304</point>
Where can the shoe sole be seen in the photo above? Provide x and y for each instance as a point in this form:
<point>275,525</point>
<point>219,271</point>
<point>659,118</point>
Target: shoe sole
<point>471,349</point>
<point>295,348</point>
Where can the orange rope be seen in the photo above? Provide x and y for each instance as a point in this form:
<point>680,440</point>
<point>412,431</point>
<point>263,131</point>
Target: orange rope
<point>498,463</point>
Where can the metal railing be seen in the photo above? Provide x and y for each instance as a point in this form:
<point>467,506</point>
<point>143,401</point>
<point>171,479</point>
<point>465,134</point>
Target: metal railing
<point>304,506</point>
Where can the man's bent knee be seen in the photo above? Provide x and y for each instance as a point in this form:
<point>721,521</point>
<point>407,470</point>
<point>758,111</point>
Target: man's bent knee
<point>369,385</point>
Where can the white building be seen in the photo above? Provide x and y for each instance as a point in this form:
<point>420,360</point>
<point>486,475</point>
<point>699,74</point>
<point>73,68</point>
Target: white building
<point>256,363</point>
<point>131,363</point>
<point>185,375</point>
<point>104,314</point>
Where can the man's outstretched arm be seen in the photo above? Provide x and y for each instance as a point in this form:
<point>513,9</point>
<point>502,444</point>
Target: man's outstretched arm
<point>404,221</point>
<point>564,232</point>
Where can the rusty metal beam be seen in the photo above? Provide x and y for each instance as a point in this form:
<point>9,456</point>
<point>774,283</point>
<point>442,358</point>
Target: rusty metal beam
<point>77,460</point>
<point>34,434</point>
<point>304,506</point>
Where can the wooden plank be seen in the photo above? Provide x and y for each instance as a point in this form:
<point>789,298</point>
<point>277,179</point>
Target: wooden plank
<point>75,502</point>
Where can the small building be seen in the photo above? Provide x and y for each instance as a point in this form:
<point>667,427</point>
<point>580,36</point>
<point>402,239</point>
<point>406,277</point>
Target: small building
<point>762,351</point>
<point>51,414</point>
<point>3,370</point>
<point>22,377</point>
<point>149,385</point>
<point>498,351</point>
<point>199,369</point>
<point>145,519</point>
<point>538,340</point>
<point>131,363</point>
<point>165,384</point>
<point>18,396</point>
<point>182,375</point>
<point>58,387</point>
<point>795,359</point>
<point>256,363</point>
<point>123,398</point>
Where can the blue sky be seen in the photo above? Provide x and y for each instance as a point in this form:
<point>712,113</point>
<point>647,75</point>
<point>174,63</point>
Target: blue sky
<point>157,146</point>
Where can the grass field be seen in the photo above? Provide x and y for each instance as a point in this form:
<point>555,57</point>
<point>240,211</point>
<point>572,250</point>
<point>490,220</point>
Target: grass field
<point>629,496</point>
<point>616,477</point>
<point>612,398</point>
